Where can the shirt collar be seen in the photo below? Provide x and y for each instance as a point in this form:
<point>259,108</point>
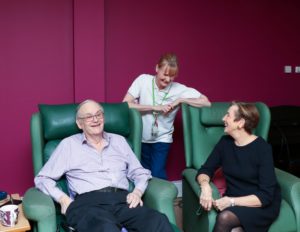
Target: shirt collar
<point>105,136</point>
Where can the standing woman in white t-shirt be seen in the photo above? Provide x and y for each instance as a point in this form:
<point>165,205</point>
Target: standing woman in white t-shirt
<point>158,98</point>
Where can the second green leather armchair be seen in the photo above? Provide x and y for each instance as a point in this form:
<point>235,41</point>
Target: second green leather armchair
<point>53,123</point>
<point>203,127</point>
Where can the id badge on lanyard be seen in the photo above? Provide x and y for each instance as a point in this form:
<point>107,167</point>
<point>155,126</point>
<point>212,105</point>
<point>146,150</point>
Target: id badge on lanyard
<point>154,128</point>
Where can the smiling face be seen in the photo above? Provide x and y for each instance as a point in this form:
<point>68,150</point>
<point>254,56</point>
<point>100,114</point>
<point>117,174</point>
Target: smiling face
<point>90,119</point>
<point>166,70</point>
<point>230,123</point>
<point>164,76</point>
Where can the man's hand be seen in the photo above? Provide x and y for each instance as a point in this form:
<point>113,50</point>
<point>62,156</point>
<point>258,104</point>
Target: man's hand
<point>64,202</point>
<point>134,198</point>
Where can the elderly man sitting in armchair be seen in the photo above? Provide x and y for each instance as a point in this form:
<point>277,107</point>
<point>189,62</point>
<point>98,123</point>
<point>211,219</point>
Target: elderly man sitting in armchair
<point>97,166</point>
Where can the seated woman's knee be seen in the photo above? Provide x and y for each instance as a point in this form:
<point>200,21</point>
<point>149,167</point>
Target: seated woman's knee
<point>224,216</point>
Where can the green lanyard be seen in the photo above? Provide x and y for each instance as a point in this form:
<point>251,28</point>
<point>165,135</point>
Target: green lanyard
<point>153,99</point>
<point>153,94</point>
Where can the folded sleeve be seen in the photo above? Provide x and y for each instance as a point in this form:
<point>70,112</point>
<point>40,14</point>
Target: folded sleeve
<point>267,179</point>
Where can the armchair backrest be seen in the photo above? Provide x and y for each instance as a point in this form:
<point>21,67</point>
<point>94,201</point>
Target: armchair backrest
<point>54,122</point>
<point>203,127</point>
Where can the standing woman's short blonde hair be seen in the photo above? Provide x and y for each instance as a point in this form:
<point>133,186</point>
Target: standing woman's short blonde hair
<point>169,60</point>
<point>249,113</point>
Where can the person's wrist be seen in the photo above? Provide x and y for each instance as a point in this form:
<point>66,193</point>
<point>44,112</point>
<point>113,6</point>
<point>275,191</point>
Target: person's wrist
<point>206,188</point>
<point>203,182</point>
<point>204,185</point>
<point>138,193</point>
<point>63,198</point>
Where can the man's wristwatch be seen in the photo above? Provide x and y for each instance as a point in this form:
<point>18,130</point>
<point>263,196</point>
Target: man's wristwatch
<point>232,203</point>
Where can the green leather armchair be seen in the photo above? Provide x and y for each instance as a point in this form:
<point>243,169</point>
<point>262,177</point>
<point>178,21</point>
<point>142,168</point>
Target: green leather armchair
<point>53,123</point>
<point>203,127</point>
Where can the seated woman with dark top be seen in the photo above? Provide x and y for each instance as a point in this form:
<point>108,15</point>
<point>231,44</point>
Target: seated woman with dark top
<point>252,198</point>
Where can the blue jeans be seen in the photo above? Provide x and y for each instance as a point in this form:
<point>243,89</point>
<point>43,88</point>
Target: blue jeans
<point>154,158</point>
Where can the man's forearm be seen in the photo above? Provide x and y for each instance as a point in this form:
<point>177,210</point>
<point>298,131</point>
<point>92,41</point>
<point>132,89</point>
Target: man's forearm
<point>138,192</point>
<point>48,186</point>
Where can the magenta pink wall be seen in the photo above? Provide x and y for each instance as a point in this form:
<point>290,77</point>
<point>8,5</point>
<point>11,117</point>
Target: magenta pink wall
<point>55,51</point>
<point>36,66</point>
<point>89,50</point>
<point>51,52</point>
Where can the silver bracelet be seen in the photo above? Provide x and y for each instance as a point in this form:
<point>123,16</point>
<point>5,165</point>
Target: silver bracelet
<point>232,202</point>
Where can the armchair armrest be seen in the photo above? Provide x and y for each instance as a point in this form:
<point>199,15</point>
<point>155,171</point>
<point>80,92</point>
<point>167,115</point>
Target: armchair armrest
<point>206,220</point>
<point>37,142</point>
<point>190,174</point>
<point>40,208</point>
<point>160,195</point>
<point>290,190</point>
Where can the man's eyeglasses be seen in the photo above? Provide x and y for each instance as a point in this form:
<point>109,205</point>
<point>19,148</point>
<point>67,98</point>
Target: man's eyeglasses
<point>90,118</point>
